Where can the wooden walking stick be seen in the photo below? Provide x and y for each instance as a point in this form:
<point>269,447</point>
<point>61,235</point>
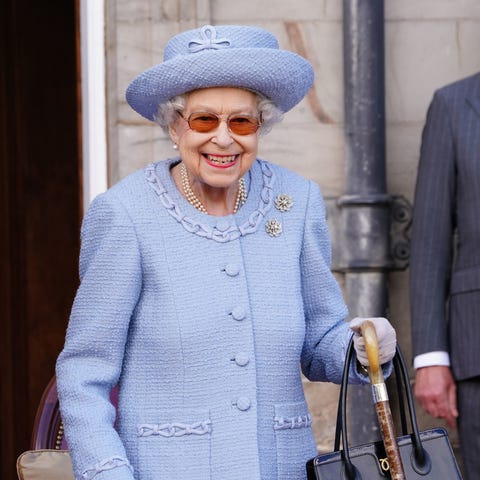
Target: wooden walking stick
<point>380,396</point>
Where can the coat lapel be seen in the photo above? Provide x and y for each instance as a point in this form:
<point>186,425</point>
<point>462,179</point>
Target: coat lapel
<point>473,96</point>
<point>474,102</point>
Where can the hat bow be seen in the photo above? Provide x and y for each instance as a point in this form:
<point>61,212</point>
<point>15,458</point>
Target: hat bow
<point>208,41</point>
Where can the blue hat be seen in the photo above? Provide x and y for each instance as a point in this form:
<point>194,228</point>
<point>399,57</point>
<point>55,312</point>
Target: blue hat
<point>222,56</point>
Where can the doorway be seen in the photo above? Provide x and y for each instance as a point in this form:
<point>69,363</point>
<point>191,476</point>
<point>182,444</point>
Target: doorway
<point>40,204</point>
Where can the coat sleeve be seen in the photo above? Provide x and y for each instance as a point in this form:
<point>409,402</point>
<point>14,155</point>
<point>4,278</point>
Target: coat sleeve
<point>432,231</point>
<point>89,365</point>
<point>327,333</point>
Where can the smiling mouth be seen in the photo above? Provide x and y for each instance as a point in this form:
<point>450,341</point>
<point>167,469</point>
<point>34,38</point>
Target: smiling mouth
<point>221,160</point>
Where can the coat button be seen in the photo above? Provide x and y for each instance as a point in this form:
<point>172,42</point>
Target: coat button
<point>238,313</point>
<point>241,359</point>
<point>243,403</point>
<point>232,270</point>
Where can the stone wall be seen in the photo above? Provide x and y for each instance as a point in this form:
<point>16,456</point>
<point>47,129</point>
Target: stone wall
<point>428,43</point>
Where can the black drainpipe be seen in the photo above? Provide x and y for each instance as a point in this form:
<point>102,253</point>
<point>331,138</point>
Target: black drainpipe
<point>368,226</point>
<point>365,205</point>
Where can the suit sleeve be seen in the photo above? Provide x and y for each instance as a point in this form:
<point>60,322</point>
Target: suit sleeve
<point>432,231</point>
<point>89,365</point>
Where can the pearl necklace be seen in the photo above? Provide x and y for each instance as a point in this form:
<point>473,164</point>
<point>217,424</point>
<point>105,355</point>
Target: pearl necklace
<point>193,199</point>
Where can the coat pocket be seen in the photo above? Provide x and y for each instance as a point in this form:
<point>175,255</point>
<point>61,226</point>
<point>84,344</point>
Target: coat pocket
<point>294,440</point>
<point>465,280</point>
<point>175,444</point>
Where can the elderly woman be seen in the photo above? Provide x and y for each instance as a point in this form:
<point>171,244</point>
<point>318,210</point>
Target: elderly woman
<point>205,283</point>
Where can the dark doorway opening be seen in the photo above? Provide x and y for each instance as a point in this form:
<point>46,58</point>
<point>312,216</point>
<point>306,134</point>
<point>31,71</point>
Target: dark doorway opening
<point>40,204</point>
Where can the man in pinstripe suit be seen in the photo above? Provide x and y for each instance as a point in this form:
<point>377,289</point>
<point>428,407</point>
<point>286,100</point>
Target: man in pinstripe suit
<point>445,265</point>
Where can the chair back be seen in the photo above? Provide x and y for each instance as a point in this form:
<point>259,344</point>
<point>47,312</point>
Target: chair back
<point>48,427</point>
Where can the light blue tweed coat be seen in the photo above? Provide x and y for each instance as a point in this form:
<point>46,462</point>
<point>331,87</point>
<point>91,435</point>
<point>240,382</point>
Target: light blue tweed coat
<point>203,323</point>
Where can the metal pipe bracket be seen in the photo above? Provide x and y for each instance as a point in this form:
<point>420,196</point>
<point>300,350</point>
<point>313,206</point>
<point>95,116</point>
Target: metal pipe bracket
<point>369,232</point>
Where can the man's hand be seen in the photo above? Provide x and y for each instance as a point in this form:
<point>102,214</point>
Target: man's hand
<point>436,391</point>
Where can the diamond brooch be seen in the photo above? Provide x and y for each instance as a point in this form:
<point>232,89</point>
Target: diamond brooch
<point>284,202</point>
<point>273,227</point>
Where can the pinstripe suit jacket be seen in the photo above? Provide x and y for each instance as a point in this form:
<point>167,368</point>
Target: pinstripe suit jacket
<point>445,257</point>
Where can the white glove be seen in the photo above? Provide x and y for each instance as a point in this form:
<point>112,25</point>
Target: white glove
<point>387,339</point>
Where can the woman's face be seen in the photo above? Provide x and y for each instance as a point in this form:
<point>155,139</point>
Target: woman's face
<point>218,158</point>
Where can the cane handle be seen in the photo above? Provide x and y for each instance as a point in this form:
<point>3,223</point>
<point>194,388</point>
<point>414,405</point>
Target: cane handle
<point>380,395</point>
<point>369,335</point>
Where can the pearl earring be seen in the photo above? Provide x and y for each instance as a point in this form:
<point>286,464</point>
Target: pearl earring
<point>175,146</point>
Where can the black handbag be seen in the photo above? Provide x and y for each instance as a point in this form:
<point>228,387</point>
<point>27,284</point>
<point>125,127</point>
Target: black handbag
<point>425,455</point>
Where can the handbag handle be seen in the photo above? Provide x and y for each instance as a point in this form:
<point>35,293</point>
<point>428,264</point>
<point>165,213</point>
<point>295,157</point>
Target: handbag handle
<point>420,456</point>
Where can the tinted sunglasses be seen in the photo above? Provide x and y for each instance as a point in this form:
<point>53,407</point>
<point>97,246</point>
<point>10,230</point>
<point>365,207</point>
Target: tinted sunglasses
<point>204,122</point>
